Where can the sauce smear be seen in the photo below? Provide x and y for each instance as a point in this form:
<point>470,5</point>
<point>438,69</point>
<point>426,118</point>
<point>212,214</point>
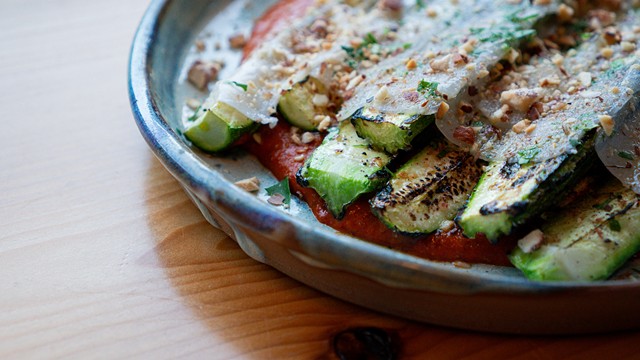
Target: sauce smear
<point>278,152</point>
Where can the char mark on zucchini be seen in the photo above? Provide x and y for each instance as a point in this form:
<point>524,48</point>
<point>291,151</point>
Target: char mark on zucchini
<point>531,165</point>
<point>343,168</point>
<point>428,190</point>
<point>586,240</point>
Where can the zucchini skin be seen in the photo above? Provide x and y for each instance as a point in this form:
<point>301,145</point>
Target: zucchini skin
<point>218,127</point>
<point>508,194</point>
<point>297,107</point>
<point>429,189</point>
<point>389,132</point>
<point>343,168</point>
<point>587,241</point>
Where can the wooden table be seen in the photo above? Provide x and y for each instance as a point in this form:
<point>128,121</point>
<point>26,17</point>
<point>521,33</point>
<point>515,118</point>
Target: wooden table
<point>103,256</point>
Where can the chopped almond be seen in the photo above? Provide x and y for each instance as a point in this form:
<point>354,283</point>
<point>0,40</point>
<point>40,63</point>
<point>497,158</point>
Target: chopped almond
<point>531,241</point>
<point>202,73</point>
<point>520,99</point>
<point>250,184</point>
<point>237,41</point>
<point>442,110</point>
<point>607,124</point>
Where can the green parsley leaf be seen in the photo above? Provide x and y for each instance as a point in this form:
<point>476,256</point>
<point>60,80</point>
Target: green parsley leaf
<point>428,88</point>
<point>355,55</point>
<point>515,18</point>
<point>420,4</point>
<point>195,114</point>
<point>242,86</point>
<point>525,156</point>
<point>368,40</point>
<point>281,188</point>
<point>614,225</point>
<point>626,155</point>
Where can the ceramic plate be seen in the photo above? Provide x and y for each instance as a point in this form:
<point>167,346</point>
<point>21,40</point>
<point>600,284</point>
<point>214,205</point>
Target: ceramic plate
<point>484,298</point>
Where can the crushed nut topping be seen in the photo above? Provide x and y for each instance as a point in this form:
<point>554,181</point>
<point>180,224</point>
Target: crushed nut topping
<point>250,184</point>
<point>202,73</point>
<point>531,241</point>
<point>237,41</point>
<point>520,99</point>
<point>607,124</point>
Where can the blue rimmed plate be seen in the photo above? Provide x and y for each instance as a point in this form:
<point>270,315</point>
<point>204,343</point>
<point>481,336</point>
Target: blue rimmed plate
<point>482,298</point>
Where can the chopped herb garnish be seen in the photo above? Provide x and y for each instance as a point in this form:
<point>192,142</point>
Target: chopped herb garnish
<point>420,4</point>
<point>585,36</point>
<point>617,64</point>
<point>525,156</point>
<point>281,188</point>
<point>515,18</point>
<point>508,36</point>
<point>429,89</point>
<point>626,155</point>
<point>351,56</point>
<point>614,225</point>
<point>356,54</point>
<point>368,40</point>
<point>242,86</point>
<point>195,115</point>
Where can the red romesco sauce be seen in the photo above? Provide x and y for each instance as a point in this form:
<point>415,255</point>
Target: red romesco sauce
<point>275,19</point>
<point>278,152</point>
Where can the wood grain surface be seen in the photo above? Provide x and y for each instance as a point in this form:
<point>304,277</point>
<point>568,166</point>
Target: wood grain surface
<point>103,256</point>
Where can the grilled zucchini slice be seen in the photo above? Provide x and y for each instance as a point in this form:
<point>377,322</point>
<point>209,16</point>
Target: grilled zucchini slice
<point>586,241</point>
<point>429,189</point>
<point>511,192</point>
<point>344,167</point>
<point>389,132</point>
<point>216,128</point>
<point>305,104</point>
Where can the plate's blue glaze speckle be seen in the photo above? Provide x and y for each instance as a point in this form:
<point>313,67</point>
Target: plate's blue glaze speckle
<point>480,298</point>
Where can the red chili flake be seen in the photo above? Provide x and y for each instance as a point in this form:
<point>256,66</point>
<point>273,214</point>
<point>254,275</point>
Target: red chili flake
<point>466,107</point>
<point>465,134</point>
<point>535,111</point>
<point>412,96</point>
<point>460,59</point>
<point>391,5</point>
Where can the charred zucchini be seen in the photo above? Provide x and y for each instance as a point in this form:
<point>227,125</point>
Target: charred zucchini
<point>305,104</point>
<point>389,132</point>
<point>587,241</point>
<point>344,167</point>
<point>512,191</point>
<point>429,189</point>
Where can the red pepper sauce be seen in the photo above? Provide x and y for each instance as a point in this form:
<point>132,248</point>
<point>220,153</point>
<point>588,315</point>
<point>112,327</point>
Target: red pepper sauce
<point>278,152</point>
<point>277,18</point>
